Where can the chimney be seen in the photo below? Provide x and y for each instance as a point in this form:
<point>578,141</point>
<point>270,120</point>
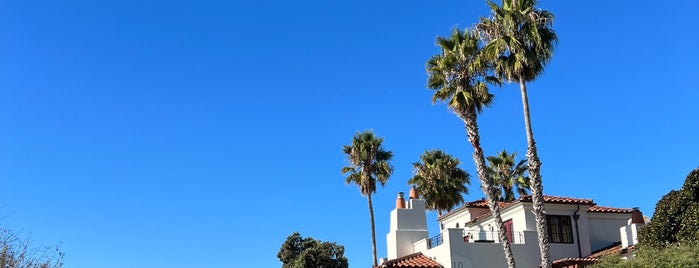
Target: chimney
<point>400,201</point>
<point>413,193</point>
<point>637,216</point>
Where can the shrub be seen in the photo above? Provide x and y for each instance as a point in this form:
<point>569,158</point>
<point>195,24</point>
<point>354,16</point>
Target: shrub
<point>676,217</point>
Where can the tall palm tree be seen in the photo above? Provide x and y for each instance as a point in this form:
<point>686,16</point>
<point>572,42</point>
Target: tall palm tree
<point>508,175</point>
<point>440,180</point>
<point>458,78</point>
<point>369,163</point>
<point>520,42</point>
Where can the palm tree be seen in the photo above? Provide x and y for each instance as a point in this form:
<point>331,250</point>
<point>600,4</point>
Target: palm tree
<point>520,42</point>
<point>458,78</point>
<point>368,164</point>
<point>508,175</point>
<point>440,180</point>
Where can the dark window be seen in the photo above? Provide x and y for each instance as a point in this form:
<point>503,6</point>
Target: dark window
<point>559,229</point>
<point>457,225</point>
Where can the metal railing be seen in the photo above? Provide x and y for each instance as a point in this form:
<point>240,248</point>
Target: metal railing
<point>492,237</point>
<point>435,241</point>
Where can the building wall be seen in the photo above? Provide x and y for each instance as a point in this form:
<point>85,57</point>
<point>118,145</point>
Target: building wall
<point>407,226</point>
<point>605,228</point>
<point>455,253</point>
<point>462,217</point>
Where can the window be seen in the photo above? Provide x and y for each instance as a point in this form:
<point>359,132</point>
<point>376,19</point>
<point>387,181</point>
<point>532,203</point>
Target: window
<point>559,229</point>
<point>457,225</point>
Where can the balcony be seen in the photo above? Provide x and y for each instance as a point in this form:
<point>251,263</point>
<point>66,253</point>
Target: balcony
<point>435,241</point>
<point>492,237</point>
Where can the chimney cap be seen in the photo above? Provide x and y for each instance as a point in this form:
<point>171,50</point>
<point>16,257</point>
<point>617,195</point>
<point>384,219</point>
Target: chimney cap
<point>400,201</point>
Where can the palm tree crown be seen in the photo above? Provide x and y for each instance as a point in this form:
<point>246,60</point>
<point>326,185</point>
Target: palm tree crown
<point>508,175</point>
<point>440,180</point>
<point>458,74</point>
<point>369,162</point>
<point>519,37</point>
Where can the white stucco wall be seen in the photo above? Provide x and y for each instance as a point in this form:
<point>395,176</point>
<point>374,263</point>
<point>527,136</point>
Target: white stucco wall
<point>462,217</point>
<point>604,228</point>
<point>455,253</point>
<point>407,226</point>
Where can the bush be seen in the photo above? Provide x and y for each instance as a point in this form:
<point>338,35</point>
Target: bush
<point>676,217</point>
<point>299,252</point>
<point>671,256</point>
<point>17,253</point>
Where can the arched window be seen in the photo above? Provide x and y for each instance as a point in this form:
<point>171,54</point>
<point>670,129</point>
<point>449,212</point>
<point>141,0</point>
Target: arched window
<point>457,225</point>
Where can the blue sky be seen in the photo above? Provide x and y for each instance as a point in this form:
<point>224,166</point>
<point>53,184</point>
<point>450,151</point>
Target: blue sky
<point>202,133</point>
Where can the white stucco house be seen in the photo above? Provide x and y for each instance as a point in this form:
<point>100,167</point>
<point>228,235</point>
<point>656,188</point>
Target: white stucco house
<point>579,231</point>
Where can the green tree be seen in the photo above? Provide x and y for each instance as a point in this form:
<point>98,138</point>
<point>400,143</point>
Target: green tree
<point>676,217</point>
<point>508,175</point>
<point>369,163</point>
<point>18,253</point>
<point>459,78</point>
<point>299,252</point>
<point>439,180</point>
<point>520,42</point>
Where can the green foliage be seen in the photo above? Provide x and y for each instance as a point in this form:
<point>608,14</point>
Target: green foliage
<point>17,253</point>
<point>299,252</point>
<point>508,175</point>
<point>676,217</point>
<point>519,37</point>
<point>439,180</point>
<point>369,162</point>
<point>674,255</point>
<point>458,76</point>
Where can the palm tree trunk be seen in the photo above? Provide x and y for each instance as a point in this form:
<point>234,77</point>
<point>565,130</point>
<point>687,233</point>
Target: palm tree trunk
<point>373,230</point>
<point>470,119</point>
<point>536,183</point>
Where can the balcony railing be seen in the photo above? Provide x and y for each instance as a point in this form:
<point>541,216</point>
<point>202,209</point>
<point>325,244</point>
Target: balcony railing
<point>492,237</point>
<point>434,241</point>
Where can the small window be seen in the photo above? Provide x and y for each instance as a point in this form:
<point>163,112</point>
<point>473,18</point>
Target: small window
<point>457,225</point>
<point>559,229</point>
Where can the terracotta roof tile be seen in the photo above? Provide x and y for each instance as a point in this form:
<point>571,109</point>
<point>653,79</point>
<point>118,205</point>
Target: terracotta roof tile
<point>547,199</point>
<point>415,260</point>
<point>572,262</point>
<point>609,209</point>
<point>560,200</point>
<point>480,203</point>
<point>614,248</point>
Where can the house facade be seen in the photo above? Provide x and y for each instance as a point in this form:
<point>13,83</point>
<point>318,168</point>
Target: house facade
<point>577,229</point>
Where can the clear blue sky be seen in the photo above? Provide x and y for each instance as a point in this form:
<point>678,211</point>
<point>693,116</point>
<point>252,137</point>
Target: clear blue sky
<point>202,133</point>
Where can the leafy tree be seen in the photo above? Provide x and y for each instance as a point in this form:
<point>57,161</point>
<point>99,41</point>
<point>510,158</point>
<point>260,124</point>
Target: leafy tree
<point>520,42</point>
<point>299,252</point>
<point>509,176</point>
<point>676,217</point>
<point>440,180</point>
<point>368,164</point>
<point>459,78</point>
<point>18,253</point>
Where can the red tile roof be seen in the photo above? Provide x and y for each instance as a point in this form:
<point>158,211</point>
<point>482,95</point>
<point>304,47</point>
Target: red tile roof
<point>550,199</point>
<point>573,262</point>
<point>415,260</point>
<point>609,209</point>
<point>559,200</point>
<point>547,199</point>
<point>480,203</point>
<point>614,248</point>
